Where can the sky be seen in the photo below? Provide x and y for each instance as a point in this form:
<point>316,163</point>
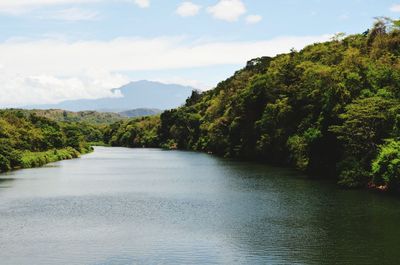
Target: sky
<point>55,50</point>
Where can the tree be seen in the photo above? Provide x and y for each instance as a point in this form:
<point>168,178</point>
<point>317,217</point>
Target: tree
<point>194,98</point>
<point>73,137</point>
<point>366,123</point>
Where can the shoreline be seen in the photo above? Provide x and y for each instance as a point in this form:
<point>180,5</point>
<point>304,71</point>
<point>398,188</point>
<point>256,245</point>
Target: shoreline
<point>40,159</point>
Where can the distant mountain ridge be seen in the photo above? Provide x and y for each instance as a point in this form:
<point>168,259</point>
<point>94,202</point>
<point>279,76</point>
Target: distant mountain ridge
<point>135,95</point>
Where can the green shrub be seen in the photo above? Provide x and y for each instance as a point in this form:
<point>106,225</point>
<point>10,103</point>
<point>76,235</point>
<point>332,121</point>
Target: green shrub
<point>386,167</point>
<point>38,159</point>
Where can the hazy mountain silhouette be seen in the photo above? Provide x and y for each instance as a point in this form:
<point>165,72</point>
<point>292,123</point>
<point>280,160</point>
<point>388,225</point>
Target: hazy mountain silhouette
<point>135,95</point>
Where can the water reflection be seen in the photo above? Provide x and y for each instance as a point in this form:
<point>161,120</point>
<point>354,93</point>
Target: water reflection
<point>123,206</point>
<point>5,183</point>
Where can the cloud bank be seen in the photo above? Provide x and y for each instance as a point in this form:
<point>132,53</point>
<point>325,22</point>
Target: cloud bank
<point>48,71</point>
<point>22,6</point>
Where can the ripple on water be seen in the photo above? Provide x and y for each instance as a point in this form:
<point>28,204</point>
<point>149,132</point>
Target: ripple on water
<point>127,206</point>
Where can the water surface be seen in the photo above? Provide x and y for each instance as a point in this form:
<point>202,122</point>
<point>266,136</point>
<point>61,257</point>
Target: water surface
<point>148,206</point>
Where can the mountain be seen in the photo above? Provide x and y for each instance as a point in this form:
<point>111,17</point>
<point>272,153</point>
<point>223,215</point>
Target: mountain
<point>140,113</point>
<point>135,95</point>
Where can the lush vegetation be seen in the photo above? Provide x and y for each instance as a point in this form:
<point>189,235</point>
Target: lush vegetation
<point>386,167</point>
<point>37,159</point>
<point>90,117</point>
<point>331,109</point>
<point>28,140</point>
<point>139,132</point>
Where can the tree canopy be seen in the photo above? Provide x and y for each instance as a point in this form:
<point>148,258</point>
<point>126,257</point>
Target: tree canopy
<point>27,139</point>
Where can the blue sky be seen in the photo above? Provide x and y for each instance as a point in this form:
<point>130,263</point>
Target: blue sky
<point>52,50</point>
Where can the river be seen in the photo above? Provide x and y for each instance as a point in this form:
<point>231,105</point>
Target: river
<point>148,206</point>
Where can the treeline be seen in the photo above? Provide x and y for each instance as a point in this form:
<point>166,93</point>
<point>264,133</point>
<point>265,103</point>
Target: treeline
<point>90,117</point>
<point>331,109</point>
<point>28,140</point>
<point>138,132</point>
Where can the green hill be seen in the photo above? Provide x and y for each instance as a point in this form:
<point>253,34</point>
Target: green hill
<point>331,110</point>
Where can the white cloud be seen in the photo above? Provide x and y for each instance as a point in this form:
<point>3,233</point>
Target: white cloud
<point>228,10</point>
<point>143,3</point>
<point>21,6</point>
<point>188,9</point>
<point>121,54</point>
<point>18,90</point>
<point>48,71</point>
<point>71,14</point>
<point>395,8</point>
<point>17,7</point>
<point>253,19</point>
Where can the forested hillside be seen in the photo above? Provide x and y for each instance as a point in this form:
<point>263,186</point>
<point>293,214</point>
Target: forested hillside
<point>331,110</point>
<point>28,140</point>
<point>139,132</point>
<point>92,117</point>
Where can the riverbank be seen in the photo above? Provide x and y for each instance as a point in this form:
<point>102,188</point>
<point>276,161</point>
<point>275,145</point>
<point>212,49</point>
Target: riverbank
<point>28,140</point>
<point>38,159</point>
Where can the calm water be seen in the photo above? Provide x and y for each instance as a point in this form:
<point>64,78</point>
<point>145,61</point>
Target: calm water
<point>127,206</point>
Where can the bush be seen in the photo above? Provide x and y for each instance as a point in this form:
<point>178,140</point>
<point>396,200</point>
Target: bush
<point>38,159</point>
<point>386,167</point>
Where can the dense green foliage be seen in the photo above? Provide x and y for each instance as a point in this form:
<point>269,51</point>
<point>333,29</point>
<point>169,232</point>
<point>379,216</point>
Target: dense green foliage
<point>386,167</point>
<point>139,132</point>
<point>90,117</point>
<point>324,110</point>
<point>38,159</point>
<point>28,140</point>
